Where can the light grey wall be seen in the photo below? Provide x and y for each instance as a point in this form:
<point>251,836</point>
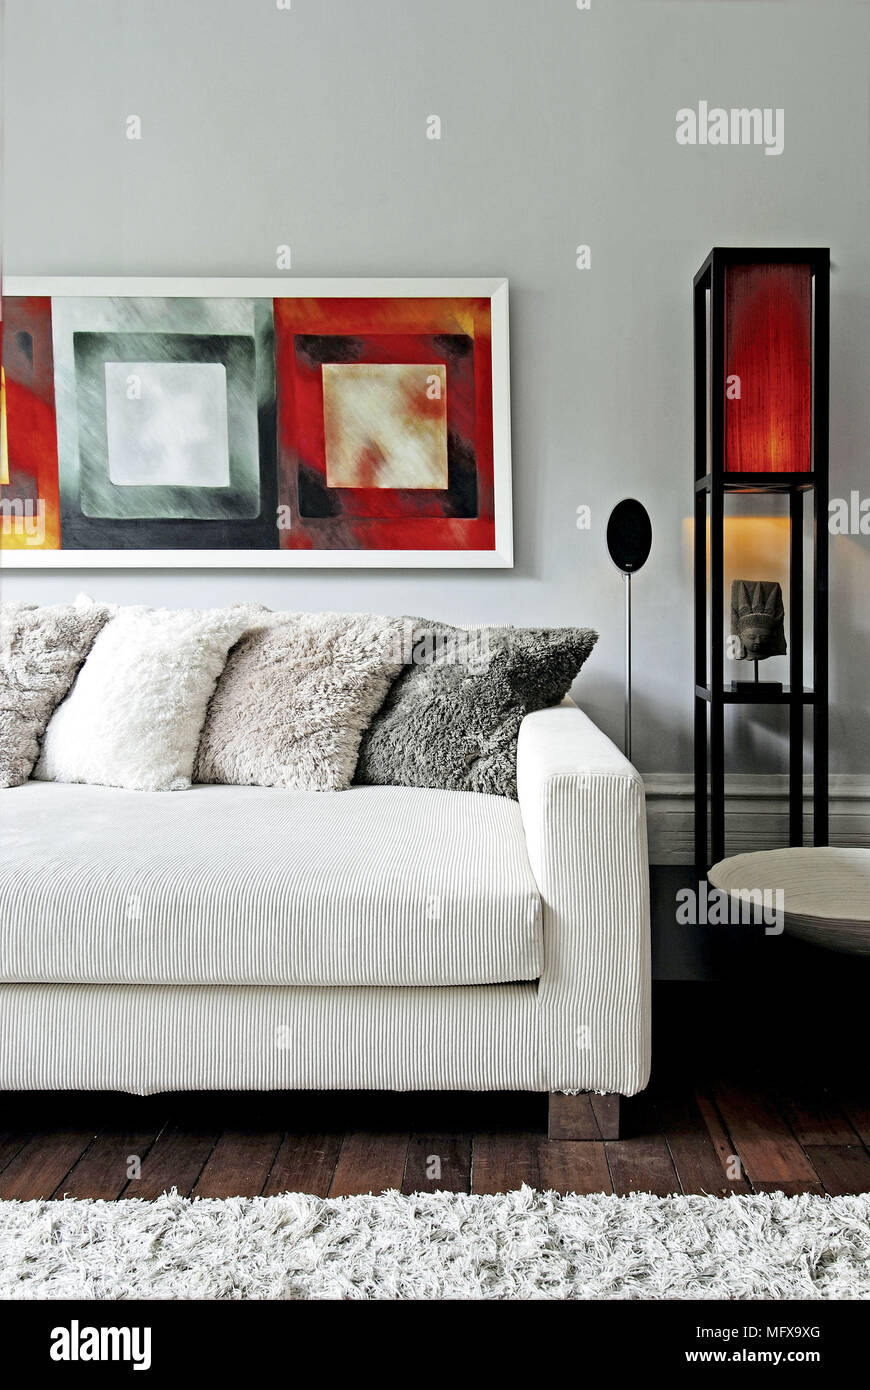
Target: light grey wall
<point>308,126</point>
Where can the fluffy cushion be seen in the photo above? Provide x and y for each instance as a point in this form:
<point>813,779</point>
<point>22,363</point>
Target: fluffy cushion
<point>134,715</point>
<point>452,718</point>
<point>296,695</point>
<point>41,649</point>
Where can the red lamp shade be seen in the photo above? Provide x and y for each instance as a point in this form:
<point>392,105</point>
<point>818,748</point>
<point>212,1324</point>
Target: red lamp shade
<point>768,368</point>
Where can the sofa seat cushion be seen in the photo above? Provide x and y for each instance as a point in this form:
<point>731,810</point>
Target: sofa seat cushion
<point>257,885</point>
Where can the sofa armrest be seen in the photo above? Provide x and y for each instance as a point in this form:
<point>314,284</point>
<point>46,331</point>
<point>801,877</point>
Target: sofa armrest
<point>584,815</point>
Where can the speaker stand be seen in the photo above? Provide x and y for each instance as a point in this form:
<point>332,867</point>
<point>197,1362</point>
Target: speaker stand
<point>627,578</point>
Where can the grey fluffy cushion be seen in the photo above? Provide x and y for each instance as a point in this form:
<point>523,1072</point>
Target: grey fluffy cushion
<point>451,719</point>
<point>296,694</point>
<point>41,650</point>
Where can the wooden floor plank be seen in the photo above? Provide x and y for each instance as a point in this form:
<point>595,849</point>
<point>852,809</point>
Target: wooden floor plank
<point>768,1150</point>
<point>239,1164</point>
<point>502,1162</point>
<point>304,1163</point>
<point>726,1149</point>
<point>855,1102</point>
<point>843,1168</point>
<point>175,1159</point>
<point>700,1167</point>
<point>342,1143</point>
<point>791,1189</point>
<point>369,1163</point>
<point>643,1164</point>
<point>438,1163</point>
<point>815,1117</point>
<point>104,1169</point>
<point>11,1143</point>
<point>40,1167</point>
<point>572,1167</point>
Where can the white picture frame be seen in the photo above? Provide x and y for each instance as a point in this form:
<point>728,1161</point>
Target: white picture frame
<point>495,289</point>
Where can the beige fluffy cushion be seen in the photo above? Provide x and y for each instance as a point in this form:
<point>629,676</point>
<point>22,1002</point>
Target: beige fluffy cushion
<point>294,700</point>
<point>41,650</point>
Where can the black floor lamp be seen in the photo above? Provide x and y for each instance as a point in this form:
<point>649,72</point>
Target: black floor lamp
<point>629,541</point>
<point>762,329</point>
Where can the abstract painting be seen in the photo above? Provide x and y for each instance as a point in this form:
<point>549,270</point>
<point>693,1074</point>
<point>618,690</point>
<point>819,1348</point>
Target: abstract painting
<point>213,423</point>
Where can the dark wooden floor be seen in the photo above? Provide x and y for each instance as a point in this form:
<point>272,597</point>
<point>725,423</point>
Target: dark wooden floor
<point>731,1108</point>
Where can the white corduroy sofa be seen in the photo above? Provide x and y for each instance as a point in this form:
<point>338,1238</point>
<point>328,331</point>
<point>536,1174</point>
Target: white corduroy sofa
<point>383,937</point>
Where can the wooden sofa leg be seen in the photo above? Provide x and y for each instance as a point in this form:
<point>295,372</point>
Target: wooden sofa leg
<point>585,1116</point>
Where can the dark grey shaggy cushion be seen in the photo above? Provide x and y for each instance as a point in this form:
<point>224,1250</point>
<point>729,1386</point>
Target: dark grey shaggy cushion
<point>452,717</point>
<point>41,650</point>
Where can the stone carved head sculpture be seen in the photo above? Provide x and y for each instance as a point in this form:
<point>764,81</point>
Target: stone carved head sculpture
<point>757,619</point>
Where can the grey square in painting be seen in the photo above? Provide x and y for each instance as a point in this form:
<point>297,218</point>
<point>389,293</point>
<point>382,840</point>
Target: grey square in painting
<point>182,496</point>
<point>197,468</point>
<point>166,424</point>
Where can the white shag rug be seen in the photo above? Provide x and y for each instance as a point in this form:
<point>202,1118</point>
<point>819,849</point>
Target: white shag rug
<point>523,1245</point>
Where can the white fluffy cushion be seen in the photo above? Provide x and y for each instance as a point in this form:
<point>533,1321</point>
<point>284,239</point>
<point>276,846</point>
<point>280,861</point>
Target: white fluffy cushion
<point>297,694</point>
<point>135,713</point>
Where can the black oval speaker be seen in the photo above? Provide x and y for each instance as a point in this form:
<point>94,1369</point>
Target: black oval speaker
<point>629,535</point>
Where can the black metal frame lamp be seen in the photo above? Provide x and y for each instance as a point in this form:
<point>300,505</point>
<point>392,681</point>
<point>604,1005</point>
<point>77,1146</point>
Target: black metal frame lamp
<point>761,330</point>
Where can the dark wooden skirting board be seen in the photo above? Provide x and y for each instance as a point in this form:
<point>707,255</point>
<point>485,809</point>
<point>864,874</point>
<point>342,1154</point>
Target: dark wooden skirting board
<point>737,1132</point>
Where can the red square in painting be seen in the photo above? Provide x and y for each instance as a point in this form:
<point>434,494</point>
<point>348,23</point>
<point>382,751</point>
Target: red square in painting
<point>385,424</point>
<point>28,438</point>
